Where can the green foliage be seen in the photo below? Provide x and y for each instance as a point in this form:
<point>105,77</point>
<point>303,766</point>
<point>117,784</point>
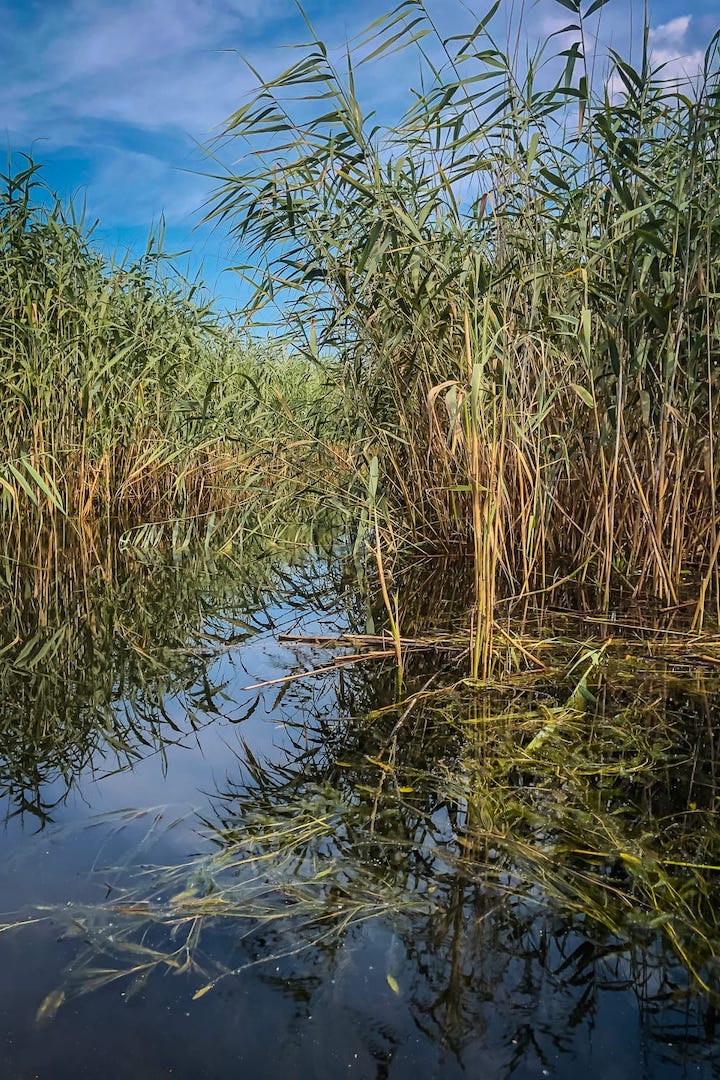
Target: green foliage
<point>520,276</point>
<point>125,398</point>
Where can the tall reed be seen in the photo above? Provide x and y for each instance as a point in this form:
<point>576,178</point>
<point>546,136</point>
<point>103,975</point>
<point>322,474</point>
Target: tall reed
<point>126,399</point>
<point>518,276</point>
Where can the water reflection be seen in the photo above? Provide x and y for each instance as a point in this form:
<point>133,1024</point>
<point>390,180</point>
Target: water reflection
<point>500,884</point>
<point>499,949</point>
<point>106,659</point>
<point>392,881</point>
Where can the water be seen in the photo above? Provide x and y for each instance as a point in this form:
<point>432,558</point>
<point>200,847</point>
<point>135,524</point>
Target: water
<point>263,882</point>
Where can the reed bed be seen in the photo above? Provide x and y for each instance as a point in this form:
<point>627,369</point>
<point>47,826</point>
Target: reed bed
<point>127,400</point>
<point>518,275</point>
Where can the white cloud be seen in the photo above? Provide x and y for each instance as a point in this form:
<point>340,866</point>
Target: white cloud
<point>150,63</point>
<point>125,89</point>
<point>674,54</point>
<point>670,49</point>
<point>671,34</point>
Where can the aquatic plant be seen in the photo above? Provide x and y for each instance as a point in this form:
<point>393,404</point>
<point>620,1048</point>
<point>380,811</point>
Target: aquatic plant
<point>495,807</point>
<point>128,401</point>
<point>518,274</point>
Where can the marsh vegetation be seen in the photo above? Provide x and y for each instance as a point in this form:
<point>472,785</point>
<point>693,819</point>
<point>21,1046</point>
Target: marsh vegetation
<point>431,575</point>
<point>130,405</point>
<point>518,274</point>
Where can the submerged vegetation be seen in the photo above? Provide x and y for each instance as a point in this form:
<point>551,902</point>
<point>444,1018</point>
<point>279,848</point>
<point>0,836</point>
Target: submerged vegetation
<point>584,790</point>
<point>464,831</point>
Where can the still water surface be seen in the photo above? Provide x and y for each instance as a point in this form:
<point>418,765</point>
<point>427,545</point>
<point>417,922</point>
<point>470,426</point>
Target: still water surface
<point>259,883</point>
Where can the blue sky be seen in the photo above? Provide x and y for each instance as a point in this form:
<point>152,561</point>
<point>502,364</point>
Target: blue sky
<point>117,96</point>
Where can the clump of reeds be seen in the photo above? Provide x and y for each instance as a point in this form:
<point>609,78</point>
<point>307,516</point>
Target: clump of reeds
<point>126,399</point>
<point>519,275</point>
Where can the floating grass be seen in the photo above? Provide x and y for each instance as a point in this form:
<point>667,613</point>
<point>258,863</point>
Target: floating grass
<point>603,815</point>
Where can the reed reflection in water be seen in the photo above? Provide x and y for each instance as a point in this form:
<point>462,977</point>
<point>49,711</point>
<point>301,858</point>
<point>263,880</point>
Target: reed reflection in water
<point>502,882</point>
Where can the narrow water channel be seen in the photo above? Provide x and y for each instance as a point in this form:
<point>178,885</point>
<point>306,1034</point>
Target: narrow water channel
<point>204,877</point>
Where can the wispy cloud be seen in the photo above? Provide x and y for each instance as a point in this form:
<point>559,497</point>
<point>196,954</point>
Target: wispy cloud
<point>130,88</point>
<point>151,64</point>
<point>671,48</point>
